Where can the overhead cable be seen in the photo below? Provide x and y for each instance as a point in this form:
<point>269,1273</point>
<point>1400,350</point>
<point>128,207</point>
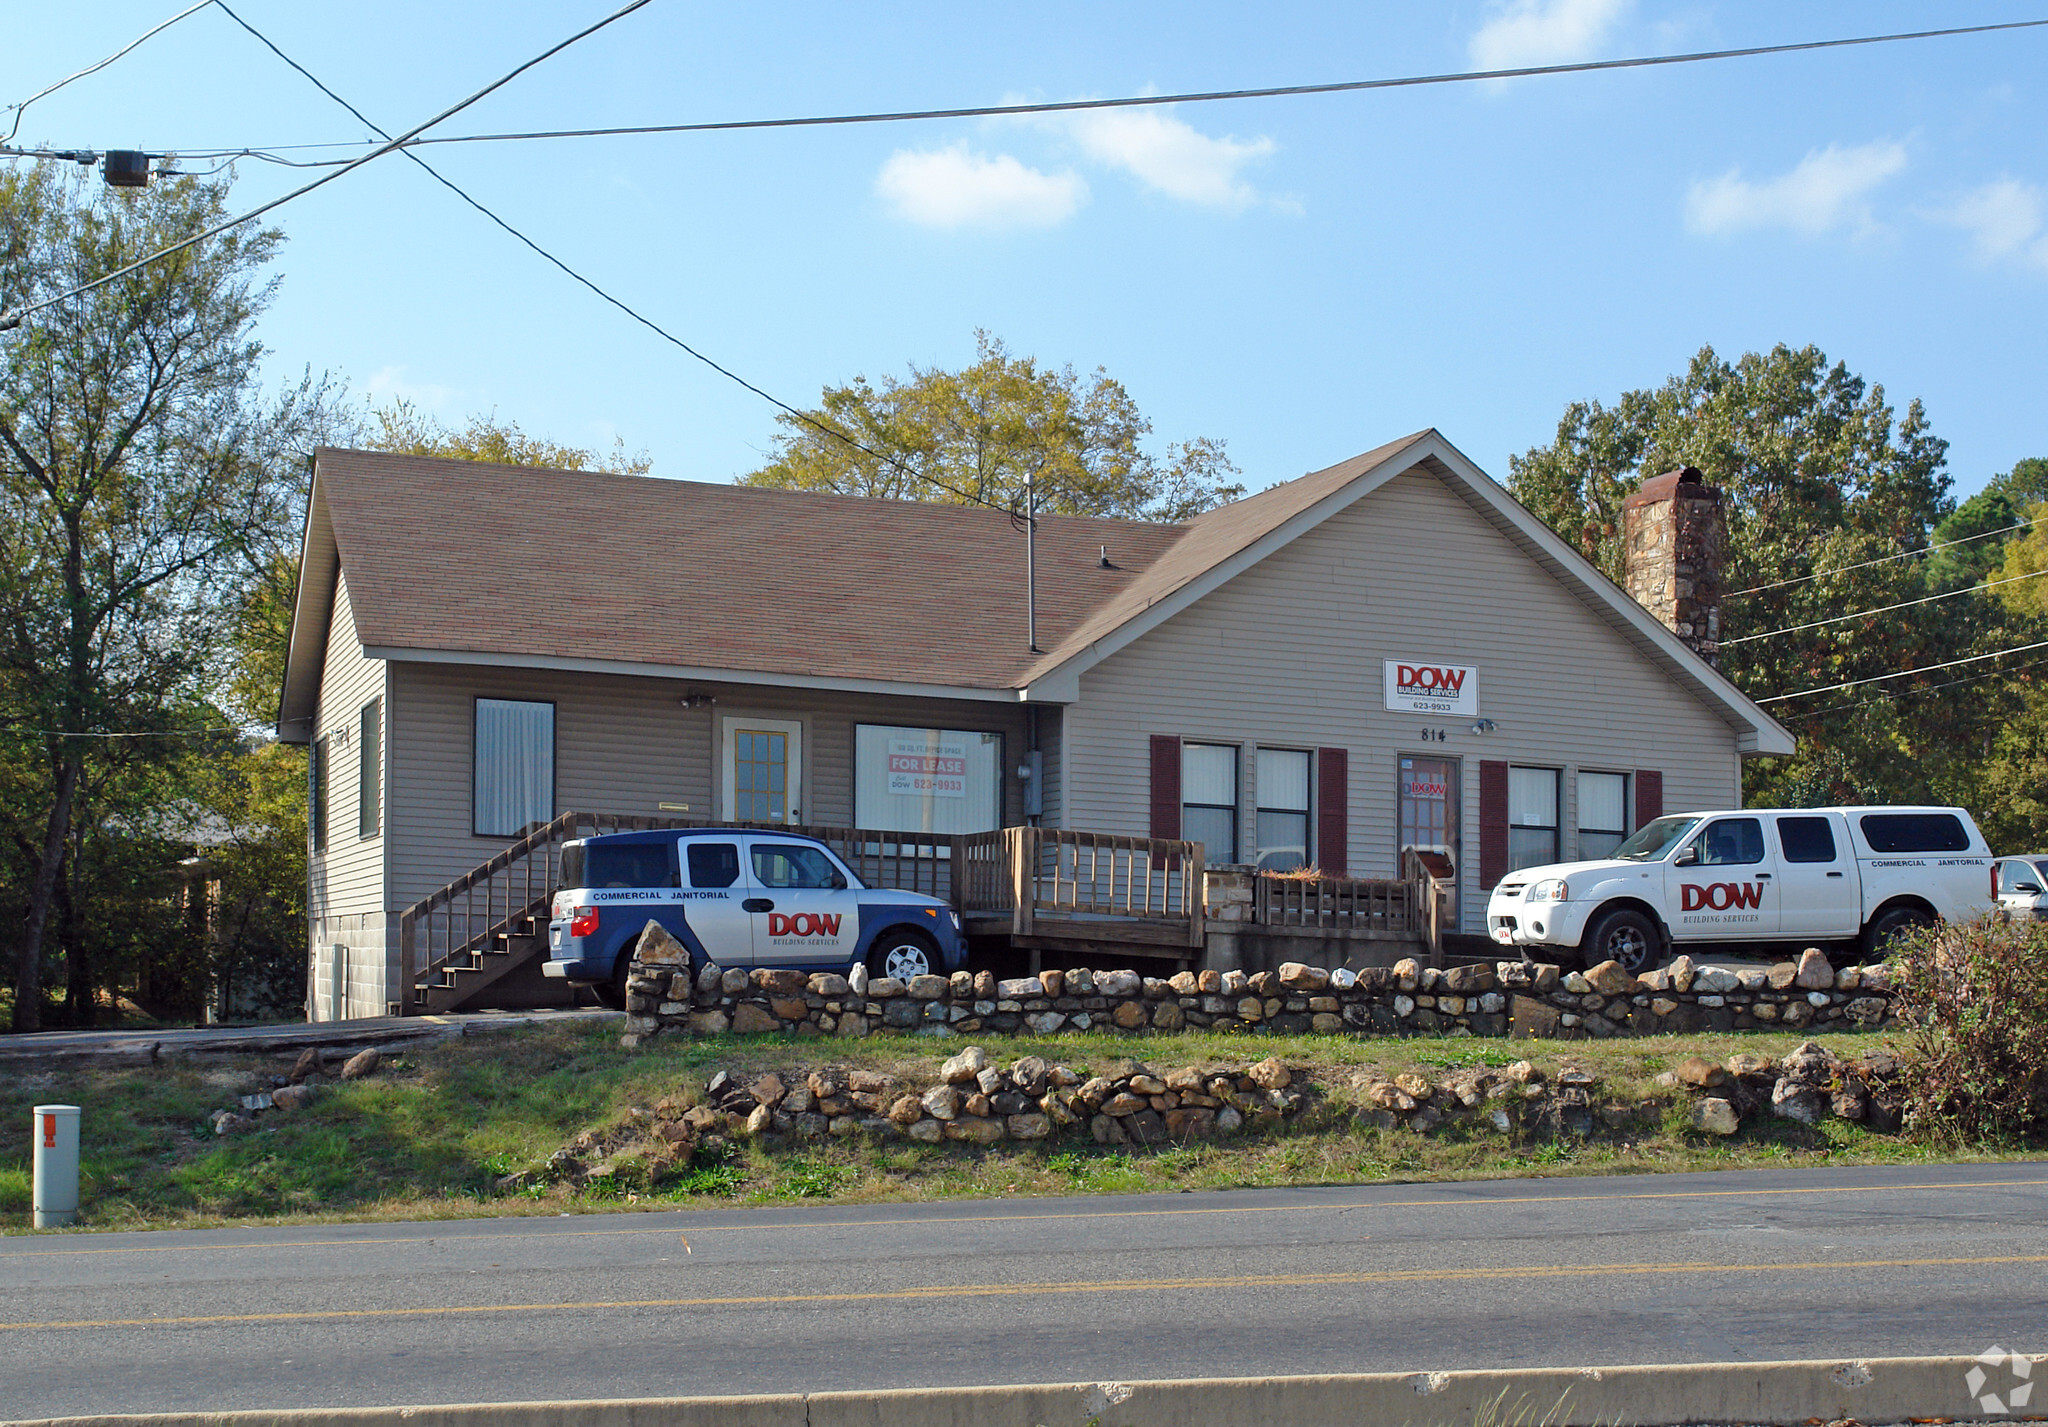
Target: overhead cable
<point>142,733</point>
<point>1885,609</point>
<point>622,306</point>
<point>13,318</point>
<point>1925,689</point>
<point>1286,91</point>
<point>15,127</point>
<point>1886,559</point>
<point>1904,673</point>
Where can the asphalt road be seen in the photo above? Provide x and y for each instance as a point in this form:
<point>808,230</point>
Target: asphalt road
<point>1560,1272</point>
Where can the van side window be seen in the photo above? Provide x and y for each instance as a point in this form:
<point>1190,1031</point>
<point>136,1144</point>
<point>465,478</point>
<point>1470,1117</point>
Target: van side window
<point>714,864</point>
<point>1731,842</point>
<point>1914,832</point>
<point>630,864</point>
<point>1806,839</point>
<point>792,865</point>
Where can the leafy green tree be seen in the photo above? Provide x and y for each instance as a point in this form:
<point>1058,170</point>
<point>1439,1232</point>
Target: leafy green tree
<point>1824,486</point>
<point>991,429</point>
<point>2023,586</point>
<point>403,427</point>
<point>142,471</point>
<point>1982,523</point>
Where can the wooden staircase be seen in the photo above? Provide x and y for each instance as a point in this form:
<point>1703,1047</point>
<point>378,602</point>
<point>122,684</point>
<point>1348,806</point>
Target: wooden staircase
<point>492,920</point>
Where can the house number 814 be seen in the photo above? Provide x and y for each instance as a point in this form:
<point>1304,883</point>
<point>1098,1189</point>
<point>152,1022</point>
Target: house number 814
<point>1436,735</point>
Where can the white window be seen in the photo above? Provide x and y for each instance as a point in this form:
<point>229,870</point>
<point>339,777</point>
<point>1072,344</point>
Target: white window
<point>1208,798</point>
<point>941,780</point>
<point>1532,817</point>
<point>1603,813</point>
<point>515,766</point>
<point>1283,809</point>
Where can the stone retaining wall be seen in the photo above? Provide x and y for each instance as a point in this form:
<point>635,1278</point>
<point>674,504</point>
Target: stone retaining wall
<point>1523,999</point>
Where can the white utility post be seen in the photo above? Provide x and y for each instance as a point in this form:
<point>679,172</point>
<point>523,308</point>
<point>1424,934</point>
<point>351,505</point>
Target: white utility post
<point>56,1165</point>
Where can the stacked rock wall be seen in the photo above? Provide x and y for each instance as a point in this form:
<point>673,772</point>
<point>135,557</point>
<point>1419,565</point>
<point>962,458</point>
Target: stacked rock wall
<point>1487,999</point>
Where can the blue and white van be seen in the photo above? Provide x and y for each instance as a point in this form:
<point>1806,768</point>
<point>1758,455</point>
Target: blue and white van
<point>739,898</point>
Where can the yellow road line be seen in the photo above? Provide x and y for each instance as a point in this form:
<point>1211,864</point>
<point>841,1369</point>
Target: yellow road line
<point>1008,1290</point>
<point>1441,1202</point>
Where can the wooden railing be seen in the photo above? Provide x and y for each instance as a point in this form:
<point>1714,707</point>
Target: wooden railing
<point>1340,903</point>
<point>502,896</point>
<point>1417,906</point>
<point>1059,881</point>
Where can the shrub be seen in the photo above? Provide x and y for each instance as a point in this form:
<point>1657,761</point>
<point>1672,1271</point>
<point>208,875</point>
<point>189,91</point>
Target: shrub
<point>1974,997</point>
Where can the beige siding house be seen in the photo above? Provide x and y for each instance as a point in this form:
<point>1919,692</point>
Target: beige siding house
<point>479,648</point>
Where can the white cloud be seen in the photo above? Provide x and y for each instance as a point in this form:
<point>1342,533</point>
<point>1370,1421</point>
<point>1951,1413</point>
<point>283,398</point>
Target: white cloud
<point>956,188</point>
<point>1171,156</point>
<point>2006,219</point>
<point>1829,189</point>
<point>1524,33</point>
<point>389,384</point>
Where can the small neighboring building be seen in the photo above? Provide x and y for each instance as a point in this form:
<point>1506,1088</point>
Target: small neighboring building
<point>1387,654</point>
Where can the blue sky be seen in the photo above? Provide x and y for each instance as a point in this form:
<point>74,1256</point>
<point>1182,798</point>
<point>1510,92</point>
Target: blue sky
<point>1304,278</point>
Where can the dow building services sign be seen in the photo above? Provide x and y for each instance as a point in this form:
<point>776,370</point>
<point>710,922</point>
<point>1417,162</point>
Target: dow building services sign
<point>1423,686</point>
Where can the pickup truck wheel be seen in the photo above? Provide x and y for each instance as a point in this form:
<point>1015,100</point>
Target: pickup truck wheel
<point>904,954</point>
<point>1888,926</point>
<point>1626,937</point>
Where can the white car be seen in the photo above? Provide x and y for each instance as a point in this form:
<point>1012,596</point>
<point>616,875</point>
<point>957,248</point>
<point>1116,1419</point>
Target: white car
<point>1853,877</point>
<point>2022,884</point>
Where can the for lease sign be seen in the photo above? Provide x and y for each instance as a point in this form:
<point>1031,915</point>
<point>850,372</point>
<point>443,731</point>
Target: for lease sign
<point>1425,686</point>
<point>922,769</point>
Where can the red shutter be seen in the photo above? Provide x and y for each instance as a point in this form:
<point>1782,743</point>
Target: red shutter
<point>1649,795</point>
<point>1493,822</point>
<point>1333,809</point>
<point>1165,786</point>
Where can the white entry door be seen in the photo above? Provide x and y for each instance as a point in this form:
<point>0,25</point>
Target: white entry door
<point>763,769</point>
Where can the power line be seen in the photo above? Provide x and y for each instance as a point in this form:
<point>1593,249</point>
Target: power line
<point>1194,97</point>
<point>14,318</point>
<point>1885,609</point>
<point>622,306</point>
<point>1884,559</point>
<point>1928,689</point>
<point>95,68</point>
<point>1904,673</point>
<point>144,733</point>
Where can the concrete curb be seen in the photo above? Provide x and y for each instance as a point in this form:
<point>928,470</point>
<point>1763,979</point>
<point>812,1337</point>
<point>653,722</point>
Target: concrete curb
<point>1872,1390</point>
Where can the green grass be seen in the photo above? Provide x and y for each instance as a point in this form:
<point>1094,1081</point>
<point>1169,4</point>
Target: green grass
<point>437,1131</point>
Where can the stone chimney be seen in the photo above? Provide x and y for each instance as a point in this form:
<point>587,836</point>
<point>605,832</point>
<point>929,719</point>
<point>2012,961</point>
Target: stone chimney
<point>1673,536</point>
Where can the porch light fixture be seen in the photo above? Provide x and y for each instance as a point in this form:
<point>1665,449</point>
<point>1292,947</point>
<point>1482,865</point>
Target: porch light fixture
<point>1485,725</point>
<point>696,701</point>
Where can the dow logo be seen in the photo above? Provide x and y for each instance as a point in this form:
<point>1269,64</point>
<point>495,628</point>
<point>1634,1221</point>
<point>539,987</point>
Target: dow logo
<point>2016,1389</point>
<point>803,923</point>
<point>1720,896</point>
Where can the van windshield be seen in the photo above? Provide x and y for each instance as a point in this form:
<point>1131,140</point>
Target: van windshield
<point>1652,840</point>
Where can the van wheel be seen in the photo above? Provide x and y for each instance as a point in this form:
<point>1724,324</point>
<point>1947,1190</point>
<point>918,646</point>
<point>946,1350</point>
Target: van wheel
<point>1626,937</point>
<point>904,954</point>
<point>612,993</point>
<point>1888,926</point>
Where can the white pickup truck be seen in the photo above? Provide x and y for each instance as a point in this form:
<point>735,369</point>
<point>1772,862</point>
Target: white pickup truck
<point>1848,879</point>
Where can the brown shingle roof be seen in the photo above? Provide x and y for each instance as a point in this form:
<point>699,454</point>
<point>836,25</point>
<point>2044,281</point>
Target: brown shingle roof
<point>507,560</point>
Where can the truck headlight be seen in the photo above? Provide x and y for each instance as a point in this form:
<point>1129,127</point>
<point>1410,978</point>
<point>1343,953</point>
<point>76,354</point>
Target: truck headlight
<point>1552,889</point>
